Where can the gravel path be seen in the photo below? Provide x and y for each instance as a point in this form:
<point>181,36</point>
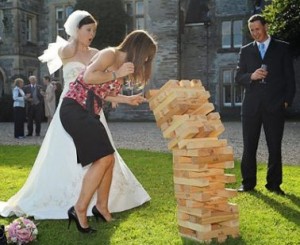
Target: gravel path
<point>146,136</point>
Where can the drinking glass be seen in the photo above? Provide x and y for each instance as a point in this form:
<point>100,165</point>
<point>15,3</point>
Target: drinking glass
<point>265,68</point>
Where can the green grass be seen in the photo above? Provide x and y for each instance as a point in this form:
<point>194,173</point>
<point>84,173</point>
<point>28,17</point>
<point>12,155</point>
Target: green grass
<point>265,218</point>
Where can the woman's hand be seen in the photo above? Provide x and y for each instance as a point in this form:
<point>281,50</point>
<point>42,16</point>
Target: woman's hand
<point>130,100</point>
<point>125,69</point>
<point>135,99</point>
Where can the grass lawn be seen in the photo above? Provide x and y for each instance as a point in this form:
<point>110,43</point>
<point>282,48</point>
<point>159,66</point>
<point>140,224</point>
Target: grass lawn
<point>265,218</point>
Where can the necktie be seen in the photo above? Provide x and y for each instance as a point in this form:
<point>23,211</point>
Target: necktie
<point>262,50</point>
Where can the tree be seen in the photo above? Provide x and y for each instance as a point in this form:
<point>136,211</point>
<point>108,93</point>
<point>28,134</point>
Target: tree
<point>111,18</point>
<point>284,21</point>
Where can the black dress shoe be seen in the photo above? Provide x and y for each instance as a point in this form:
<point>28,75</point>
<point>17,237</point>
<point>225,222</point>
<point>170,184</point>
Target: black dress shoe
<point>243,188</point>
<point>28,135</point>
<point>276,190</point>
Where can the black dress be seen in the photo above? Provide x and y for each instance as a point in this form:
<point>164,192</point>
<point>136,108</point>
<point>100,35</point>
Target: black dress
<point>89,134</point>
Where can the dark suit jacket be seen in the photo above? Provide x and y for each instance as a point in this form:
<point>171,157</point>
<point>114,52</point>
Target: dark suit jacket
<point>280,81</point>
<point>27,90</point>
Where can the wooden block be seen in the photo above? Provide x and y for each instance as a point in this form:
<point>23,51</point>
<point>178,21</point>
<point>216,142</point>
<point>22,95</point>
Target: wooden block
<point>193,182</point>
<point>180,130</point>
<point>219,217</point>
<point>170,84</point>
<point>173,144</point>
<point>229,178</point>
<point>203,152</point>
<point>198,212</point>
<point>164,103</point>
<point>176,122</point>
<point>196,227</point>
<point>172,111</point>
<point>217,130</point>
<point>227,193</point>
<point>181,159</point>
<point>196,83</point>
<point>157,99</point>
<point>197,196</point>
<point>214,186</point>
<point>190,167</point>
<point>185,83</point>
<point>209,174</point>
<point>213,159</point>
<point>230,223</point>
<point>224,207</point>
<point>198,143</point>
<point>204,109</point>
<point>188,133</point>
<point>213,116</point>
<point>151,93</point>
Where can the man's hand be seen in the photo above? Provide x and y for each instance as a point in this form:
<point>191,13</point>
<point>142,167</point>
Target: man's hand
<point>259,74</point>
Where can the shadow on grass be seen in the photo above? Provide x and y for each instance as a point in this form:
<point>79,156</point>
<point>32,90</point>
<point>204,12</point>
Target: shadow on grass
<point>53,232</point>
<point>229,241</point>
<point>285,211</point>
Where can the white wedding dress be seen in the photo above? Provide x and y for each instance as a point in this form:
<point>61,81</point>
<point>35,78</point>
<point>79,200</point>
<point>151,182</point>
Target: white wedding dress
<point>54,182</point>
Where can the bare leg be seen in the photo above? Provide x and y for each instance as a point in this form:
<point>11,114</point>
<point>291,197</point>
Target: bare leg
<point>91,181</point>
<point>103,193</point>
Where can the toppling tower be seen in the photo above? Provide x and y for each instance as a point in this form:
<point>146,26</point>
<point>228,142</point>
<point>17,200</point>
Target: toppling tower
<point>185,116</point>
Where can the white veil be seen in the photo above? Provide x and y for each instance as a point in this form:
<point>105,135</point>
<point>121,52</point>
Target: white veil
<point>50,55</point>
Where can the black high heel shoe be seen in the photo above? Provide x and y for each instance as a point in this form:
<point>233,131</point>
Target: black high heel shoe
<point>73,216</point>
<point>97,214</point>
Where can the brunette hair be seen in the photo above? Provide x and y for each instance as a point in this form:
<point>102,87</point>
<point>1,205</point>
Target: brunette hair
<point>46,77</point>
<point>257,17</point>
<point>87,20</point>
<point>140,48</point>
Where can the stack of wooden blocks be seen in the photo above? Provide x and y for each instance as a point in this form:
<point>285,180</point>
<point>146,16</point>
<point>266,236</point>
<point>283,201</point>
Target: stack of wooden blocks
<point>185,116</point>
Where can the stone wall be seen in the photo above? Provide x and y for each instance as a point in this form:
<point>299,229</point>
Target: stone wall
<point>161,21</point>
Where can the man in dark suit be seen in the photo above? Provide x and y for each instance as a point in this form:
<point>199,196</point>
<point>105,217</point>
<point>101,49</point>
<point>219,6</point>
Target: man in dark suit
<point>267,93</point>
<point>34,106</point>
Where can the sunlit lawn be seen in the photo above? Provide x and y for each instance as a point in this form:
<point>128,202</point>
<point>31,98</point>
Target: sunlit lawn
<point>265,218</point>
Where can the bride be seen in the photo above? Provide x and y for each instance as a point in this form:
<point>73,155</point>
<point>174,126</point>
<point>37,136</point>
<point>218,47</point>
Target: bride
<point>54,182</point>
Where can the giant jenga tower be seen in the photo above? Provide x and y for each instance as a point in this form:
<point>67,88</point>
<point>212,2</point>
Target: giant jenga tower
<point>185,116</point>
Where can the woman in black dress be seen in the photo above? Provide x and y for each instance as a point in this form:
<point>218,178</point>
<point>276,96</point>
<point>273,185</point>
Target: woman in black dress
<point>102,80</point>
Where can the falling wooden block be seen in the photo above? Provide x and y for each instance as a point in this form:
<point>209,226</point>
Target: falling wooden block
<point>186,118</point>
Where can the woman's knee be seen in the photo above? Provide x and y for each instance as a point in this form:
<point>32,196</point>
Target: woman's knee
<point>107,161</point>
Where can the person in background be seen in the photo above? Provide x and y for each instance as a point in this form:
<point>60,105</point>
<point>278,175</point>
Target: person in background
<point>34,103</point>
<point>49,98</point>
<point>58,90</point>
<point>79,113</point>
<point>19,108</point>
<point>265,69</point>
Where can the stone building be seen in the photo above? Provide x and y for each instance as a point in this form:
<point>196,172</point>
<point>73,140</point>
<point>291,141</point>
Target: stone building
<point>197,39</point>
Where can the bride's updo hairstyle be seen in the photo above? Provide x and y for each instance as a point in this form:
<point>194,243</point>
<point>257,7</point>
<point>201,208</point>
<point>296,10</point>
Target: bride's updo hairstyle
<point>140,48</point>
<point>76,20</point>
